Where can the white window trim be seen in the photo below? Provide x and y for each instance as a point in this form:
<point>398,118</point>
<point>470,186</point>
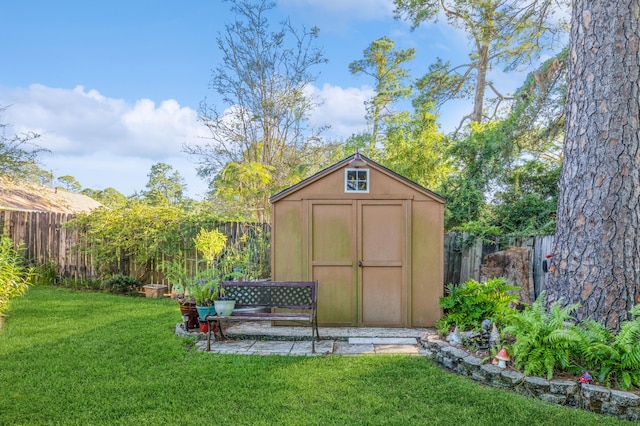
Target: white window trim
<point>356,191</point>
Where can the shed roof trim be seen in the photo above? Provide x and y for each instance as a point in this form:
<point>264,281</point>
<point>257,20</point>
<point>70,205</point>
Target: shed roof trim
<point>344,162</point>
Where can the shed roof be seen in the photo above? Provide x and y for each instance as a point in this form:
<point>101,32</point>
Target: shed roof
<point>342,163</point>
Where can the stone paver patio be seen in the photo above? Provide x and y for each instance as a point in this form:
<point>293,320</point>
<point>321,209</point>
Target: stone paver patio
<point>261,338</point>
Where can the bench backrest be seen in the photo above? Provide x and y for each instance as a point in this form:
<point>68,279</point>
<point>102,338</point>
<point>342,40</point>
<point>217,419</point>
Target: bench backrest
<point>282,294</point>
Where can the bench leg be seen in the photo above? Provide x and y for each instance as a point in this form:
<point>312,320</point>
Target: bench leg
<point>209,336</point>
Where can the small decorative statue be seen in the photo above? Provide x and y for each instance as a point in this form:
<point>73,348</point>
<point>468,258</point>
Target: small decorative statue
<point>494,337</point>
<point>585,378</point>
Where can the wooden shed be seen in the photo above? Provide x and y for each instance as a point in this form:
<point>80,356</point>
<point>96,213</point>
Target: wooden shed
<point>373,240</point>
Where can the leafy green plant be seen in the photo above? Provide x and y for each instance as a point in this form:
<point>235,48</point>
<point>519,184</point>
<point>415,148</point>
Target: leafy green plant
<point>544,341</point>
<point>122,284</point>
<point>204,292</point>
<point>14,275</point>
<point>468,304</point>
<point>612,359</point>
<point>45,274</point>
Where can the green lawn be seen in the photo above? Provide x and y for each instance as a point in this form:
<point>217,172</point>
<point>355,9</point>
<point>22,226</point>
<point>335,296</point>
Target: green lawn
<point>69,357</point>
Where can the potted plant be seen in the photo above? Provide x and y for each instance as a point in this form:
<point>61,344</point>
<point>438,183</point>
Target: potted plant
<point>205,293</point>
<point>210,244</point>
<point>224,305</point>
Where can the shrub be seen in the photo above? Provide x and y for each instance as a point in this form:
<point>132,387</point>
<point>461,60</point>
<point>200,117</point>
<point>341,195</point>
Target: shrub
<point>468,304</point>
<point>122,284</point>
<point>14,276</point>
<point>612,359</point>
<point>545,341</point>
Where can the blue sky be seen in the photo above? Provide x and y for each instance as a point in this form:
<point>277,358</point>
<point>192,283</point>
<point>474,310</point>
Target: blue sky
<point>114,86</point>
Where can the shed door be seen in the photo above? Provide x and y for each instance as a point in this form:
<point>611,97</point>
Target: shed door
<point>357,252</point>
<point>382,241</point>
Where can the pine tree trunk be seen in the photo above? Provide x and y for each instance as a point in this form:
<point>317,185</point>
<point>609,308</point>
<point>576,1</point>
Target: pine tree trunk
<point>597,246</point>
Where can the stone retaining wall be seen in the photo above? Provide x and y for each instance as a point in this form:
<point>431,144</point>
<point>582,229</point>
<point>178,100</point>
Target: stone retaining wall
<point>598,399</point>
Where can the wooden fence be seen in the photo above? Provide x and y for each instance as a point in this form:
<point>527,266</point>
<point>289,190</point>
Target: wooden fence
<point>463,256</point>
<point>46,240</point>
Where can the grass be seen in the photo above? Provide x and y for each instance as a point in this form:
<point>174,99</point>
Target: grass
<point>69,357</point>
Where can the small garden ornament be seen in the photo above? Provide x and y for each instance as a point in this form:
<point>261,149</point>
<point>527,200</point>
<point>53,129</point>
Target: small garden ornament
<point>454,337</point>
<point>585,378</point>
<point>502,358</point>
<point>494,337</point>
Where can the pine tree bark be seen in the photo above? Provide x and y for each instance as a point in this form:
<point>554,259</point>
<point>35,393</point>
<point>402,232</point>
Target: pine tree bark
<point>597,246</point>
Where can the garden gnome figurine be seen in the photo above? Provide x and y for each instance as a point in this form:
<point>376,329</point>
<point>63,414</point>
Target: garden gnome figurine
<point>494,337</point>
<point>455,337</point>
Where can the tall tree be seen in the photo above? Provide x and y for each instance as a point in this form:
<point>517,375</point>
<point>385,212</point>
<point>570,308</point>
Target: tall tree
<point>18,154</point>
<point>165,185</point>
<point>262,81</point>
<point>414,148</point>
<point>596,252</point>
<point>506,33</point>
<point>385,64</point>
<point>70,183</point>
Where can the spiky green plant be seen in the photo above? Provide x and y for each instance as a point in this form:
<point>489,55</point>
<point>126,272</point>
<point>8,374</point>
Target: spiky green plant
<point>612,359</point>
<point>545,341</point>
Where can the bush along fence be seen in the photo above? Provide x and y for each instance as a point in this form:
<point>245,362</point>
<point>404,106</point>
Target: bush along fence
<point>56,241</point>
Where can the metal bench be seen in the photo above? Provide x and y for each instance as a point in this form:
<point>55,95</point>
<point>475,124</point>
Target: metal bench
<point>257,301</point>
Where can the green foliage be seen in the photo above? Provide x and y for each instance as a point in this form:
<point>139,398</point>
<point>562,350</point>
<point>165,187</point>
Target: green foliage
<point>468,304</point>
<point>122,284</point>
<point>14,275</point>
<point>385,65</point>
<point>545,341</point>
<point>210,243</point>
<point>165,186</point>
<point>528,202</point>
<point>130,231</point>
<point>504,34</point>
<point>261,83</point>
<point>612,359</point>
<point>70,183</point>
<point>44,274</point>
<point>108,197</point>
<point>19,155</point>
<point>204,291</point>
<point>415,149</point>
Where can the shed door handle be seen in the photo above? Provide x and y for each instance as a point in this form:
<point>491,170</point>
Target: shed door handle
<point>360,263</point>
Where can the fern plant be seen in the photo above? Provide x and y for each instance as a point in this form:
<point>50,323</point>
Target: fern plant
<point>544,341</point>
<point>468,304</point>
<point>613,359</point>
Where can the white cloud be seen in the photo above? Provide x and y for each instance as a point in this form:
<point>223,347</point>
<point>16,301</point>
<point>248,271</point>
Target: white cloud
<point>101,141</point>
<point>355,9</point>
<point>78,121</point>
<point>343,109</point>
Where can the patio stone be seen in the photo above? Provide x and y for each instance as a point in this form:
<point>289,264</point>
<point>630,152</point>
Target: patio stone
<point>382,340</point>
<point>344,348</point>
<point>396,349</point>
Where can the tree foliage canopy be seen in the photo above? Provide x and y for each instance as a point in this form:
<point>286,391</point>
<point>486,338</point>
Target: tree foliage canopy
<point>503,33</point>
<point>262,85</point>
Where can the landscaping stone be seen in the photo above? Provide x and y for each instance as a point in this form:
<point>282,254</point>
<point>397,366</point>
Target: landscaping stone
<point>598,399</point>
<point>553,399</point>
<point>536,385</point>
<point>512,377</point>
<point>563,387</point>
<point>625,399</point>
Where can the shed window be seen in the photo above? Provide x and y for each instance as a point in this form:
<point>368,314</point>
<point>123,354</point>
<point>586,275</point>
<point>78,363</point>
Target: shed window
<point>356,180</point>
